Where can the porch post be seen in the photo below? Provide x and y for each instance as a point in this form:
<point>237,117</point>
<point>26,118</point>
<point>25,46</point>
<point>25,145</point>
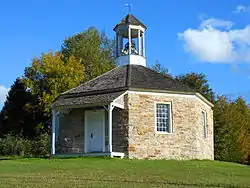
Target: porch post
<point>110,108</point>
<point>53,145</point>
<point>143,45</point>
<point>129,40</point>
<point>139,42</point>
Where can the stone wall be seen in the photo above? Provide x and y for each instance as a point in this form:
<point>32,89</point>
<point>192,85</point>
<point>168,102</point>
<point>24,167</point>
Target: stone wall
<point>71,132</point>
<point>187,140</point>
<point>120,130</point>
<point>205,147</point>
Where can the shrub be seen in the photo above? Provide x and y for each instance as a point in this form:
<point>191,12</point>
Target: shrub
<point>41,146</point>
<point>12,145</point>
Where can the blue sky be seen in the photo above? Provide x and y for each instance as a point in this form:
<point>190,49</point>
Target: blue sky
<point>207,36</point>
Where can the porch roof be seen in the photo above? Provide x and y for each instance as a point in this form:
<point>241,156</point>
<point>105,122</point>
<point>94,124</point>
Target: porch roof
<point>101,98</point>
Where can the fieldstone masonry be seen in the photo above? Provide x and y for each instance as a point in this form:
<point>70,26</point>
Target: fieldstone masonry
<point>71,132</point>
<point>187,140</point>
<point>120,130</point>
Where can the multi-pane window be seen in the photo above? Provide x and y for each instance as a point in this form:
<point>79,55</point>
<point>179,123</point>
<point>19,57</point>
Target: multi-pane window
<point>163,118</point>
<point>204,124</point>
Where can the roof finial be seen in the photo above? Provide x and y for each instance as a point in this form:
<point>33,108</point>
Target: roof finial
<point>129,7</point>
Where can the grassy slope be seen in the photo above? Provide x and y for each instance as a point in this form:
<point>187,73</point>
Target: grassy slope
<point>100,172</point>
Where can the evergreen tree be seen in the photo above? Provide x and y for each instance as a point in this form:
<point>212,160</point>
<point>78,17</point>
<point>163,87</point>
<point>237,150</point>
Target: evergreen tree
<point>20,114</point>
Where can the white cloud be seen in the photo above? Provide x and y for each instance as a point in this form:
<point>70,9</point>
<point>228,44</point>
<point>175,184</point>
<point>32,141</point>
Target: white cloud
<point>3,94</point>
<point>241,36</point>
<point>240,9</point>
<point>215,41</point>
<point>216,23</point>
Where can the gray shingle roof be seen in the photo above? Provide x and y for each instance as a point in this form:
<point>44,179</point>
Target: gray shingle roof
<point>129,76</point>
<point>110,85</point>
<point>116,78</point>
<point>88,99</point>
<point>145,78</point>
<point>130,19</point>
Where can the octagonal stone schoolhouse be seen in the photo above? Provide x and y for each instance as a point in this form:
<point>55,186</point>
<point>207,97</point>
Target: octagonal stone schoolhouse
<point>132,111</point>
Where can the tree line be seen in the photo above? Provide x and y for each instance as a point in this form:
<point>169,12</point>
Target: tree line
<point>86,55</point>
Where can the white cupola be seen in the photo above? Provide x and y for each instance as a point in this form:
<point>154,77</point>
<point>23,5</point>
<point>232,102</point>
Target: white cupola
<point>130,41</point>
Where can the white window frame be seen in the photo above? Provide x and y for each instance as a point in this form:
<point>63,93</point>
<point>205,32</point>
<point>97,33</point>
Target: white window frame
<point>204,123</point>
<point>170,118</point>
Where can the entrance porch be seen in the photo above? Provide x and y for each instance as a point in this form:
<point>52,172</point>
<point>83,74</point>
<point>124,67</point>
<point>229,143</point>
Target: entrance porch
<point>90,130</point>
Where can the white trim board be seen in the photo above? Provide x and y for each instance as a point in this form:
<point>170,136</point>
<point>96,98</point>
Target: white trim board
<point>192,96</point>
<point>118,105</point>
<point>116,101</point>
<point>112,154</point>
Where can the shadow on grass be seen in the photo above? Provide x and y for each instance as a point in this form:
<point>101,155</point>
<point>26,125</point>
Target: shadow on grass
<point>164,182</point>
<point>138,182</point>
<point>5,158</point>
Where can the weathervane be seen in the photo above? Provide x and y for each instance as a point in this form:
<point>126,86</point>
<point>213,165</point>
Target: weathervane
<point>129,7</point>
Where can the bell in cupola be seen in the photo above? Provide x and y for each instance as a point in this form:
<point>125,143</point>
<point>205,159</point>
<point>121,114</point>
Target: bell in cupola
<point>130,41</point>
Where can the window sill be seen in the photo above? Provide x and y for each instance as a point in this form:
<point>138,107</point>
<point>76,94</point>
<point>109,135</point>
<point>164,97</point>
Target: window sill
<point>159,132</point>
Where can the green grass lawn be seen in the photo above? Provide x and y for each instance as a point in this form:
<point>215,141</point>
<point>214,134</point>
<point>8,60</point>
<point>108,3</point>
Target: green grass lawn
<point>104,172</point>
